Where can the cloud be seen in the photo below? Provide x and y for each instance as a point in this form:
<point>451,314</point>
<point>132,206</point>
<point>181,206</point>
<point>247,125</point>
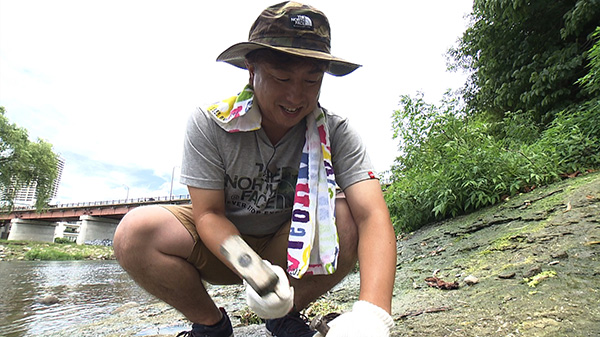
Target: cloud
<point>93,180</point>
<point>111,83</point>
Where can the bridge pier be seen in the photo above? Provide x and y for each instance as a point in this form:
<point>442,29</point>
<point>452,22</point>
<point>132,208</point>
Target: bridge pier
<point>96,228</point>
<point>31,230</point>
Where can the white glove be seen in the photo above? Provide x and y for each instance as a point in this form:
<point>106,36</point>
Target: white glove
<point>365,319</point>
<point>273,305</point>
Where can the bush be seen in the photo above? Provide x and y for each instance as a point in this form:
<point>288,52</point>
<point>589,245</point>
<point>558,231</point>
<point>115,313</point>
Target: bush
<point>572,142</point>
<point>451,164</point>
<point>62,240</point>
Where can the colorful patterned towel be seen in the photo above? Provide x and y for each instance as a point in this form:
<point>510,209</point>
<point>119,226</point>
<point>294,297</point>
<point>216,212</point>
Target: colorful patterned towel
<point>313,213</point>
<point>228,111</point>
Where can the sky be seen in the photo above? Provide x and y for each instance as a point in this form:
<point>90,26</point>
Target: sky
<point>111,83</point>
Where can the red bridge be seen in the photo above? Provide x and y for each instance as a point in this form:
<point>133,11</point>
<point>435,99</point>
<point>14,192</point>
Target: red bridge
<point>96,220</point>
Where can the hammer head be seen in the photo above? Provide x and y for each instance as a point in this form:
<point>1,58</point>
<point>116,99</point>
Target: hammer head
<point>249,265</point>
<point>319,323</point>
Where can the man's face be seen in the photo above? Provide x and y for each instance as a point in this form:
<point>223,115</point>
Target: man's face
<point>285,95</point>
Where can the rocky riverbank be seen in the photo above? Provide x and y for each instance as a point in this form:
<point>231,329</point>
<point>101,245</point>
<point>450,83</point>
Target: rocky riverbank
<point>535,259</point>
<point>527,267</point>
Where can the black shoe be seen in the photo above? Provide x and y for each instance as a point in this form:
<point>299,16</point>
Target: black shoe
<point>221,329</point>
<point>290,325</point>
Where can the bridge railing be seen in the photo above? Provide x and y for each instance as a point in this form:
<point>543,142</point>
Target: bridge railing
<point>110,202</point>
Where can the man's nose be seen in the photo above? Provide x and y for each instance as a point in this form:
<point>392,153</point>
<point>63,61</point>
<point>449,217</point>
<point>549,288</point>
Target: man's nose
<point>294,92</point>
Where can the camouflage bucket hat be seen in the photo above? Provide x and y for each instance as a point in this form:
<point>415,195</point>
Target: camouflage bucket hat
<point>292,28</point>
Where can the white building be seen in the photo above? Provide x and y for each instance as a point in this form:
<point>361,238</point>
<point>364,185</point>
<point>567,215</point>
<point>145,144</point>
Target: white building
<point>25,195</point>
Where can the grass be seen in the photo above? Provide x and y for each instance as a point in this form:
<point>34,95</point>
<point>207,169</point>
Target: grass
<point>45,251</point>
<point>54,254</point>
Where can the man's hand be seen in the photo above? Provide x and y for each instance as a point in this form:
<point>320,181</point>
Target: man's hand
<point>276,304</point>
<point>365,319</point>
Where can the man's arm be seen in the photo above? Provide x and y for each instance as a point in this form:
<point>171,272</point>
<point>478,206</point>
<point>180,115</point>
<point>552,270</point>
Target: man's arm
<point>376,242</point>
<point>213,227</point>
<point>208,207</point>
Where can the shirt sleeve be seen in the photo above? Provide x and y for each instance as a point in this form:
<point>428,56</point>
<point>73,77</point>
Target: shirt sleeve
<point>202,164</point>
<point>351,162</point>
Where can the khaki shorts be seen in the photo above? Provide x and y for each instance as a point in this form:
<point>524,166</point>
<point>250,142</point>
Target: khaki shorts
<point>271,247</point>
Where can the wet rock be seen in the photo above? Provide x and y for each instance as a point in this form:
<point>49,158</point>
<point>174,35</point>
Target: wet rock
<point>125,307</point>
<point>532,272</point>
<point>49,300</point>
<point>508,275</point>
<point>560,255</point>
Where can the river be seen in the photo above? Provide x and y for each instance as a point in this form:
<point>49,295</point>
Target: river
<point>86,290</point>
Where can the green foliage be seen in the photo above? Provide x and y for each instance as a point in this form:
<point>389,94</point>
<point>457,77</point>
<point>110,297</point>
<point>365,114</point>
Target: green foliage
<point>572,142</point>
<point>62,241</point>
<point>451,165</point>
<point>23,161</point>
<point>516,128</point>
<point>591,81</point>
<point>526,56</point>
<point>53,254</point>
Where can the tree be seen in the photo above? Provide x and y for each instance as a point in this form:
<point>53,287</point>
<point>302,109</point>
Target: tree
<point>526,56</point>
<point>23,161</point>
<point>591,81</point>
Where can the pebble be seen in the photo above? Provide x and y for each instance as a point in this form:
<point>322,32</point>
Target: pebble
<point>471,280</point>
<point>507,275</point>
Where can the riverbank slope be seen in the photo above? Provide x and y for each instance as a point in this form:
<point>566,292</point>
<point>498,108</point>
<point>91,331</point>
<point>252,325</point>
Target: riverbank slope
<point>535,259</point>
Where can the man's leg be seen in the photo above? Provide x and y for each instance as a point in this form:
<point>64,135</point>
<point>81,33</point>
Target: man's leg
<point>152,246</point>
<point>310,287</point>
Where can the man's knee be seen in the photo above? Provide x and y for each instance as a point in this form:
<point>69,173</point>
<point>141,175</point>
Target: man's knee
<point>346,226</point>
<point>130,232</point>
<point>150,230</point>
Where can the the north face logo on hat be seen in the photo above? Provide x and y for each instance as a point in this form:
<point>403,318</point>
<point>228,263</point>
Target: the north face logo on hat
<point>301,22</point>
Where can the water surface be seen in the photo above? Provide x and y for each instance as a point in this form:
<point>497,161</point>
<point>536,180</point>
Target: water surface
<point>87,290</point>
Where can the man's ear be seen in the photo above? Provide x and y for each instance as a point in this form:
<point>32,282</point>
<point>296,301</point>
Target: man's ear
<point>251,69</point>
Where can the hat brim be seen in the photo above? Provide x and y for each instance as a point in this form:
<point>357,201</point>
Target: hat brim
<point>236,55</point>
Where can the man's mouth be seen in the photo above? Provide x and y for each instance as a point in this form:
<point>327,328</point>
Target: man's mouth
<point>290,110</point>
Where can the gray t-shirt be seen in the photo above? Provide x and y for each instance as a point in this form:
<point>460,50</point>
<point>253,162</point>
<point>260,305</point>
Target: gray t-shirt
<point>259,179</point>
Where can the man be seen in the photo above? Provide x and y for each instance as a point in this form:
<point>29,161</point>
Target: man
<point>265,165</point>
